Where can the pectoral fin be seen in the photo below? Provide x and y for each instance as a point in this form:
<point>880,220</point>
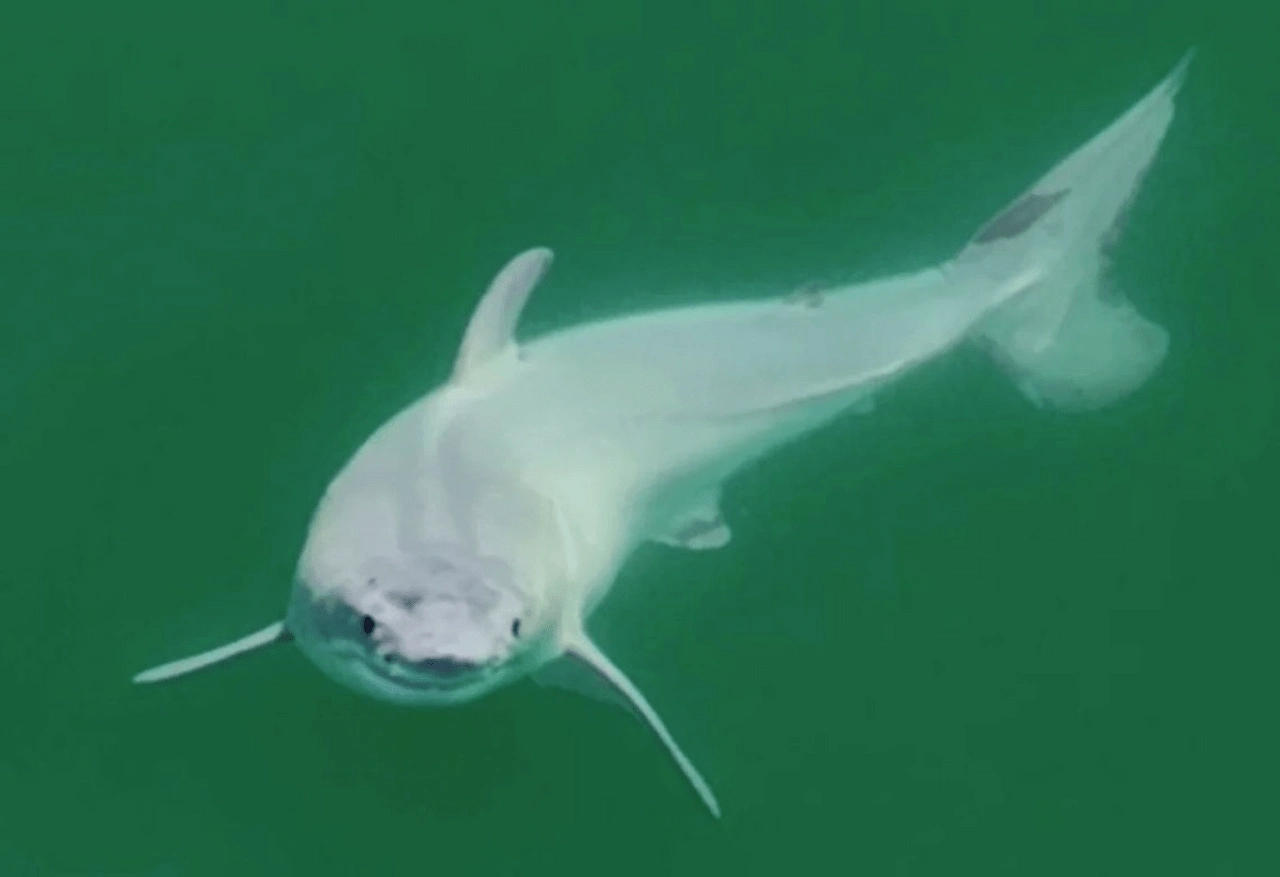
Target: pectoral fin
<point>274,633</point>
<point>571,673</point>
<point>582,649</point>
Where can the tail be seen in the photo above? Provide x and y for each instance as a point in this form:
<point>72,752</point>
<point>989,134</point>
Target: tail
<point>1070,340</point>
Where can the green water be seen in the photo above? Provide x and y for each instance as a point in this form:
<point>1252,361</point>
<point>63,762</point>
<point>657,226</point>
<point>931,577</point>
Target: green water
<point>960,637</point>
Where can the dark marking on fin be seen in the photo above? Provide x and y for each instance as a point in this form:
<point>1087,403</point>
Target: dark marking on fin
<point>407,602</point>
<point>1024,213</point>
<point>1111,237</point>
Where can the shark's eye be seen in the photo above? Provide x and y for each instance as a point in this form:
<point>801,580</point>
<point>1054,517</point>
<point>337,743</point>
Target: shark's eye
<point>368,624</point>
<point>515,627</point>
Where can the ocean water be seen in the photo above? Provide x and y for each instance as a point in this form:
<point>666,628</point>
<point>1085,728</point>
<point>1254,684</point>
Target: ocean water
<point>962,636</point>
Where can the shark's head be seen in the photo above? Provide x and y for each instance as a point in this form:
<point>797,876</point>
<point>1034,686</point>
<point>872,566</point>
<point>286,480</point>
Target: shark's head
<point>388,607</point>
<point>433,572</point>
<point>427,570</point>
<point>433,626</point>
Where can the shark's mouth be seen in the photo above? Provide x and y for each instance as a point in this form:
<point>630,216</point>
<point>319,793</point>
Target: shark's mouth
<point>443,672</point>
<point>350,647</point>
<point>443,668</point>
<point>431,682</point>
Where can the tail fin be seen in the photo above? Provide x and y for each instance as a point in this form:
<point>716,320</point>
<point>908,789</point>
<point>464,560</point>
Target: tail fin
<point>1071,341</point>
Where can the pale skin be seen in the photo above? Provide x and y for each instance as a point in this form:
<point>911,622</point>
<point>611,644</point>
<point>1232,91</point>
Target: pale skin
<point>467,542</point>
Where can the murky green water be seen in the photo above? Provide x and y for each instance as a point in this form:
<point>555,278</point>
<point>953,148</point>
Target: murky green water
<point>960,637</point>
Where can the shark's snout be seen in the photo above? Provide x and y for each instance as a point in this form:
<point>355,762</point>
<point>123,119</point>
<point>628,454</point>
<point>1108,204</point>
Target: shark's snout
<point>425,628</point>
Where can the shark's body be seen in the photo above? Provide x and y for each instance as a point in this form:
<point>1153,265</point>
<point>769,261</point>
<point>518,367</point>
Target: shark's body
<point>467,542</point>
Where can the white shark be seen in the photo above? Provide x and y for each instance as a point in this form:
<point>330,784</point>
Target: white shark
<point>467,542</point>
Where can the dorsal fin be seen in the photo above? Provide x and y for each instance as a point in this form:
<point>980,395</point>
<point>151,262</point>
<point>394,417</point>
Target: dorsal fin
<point>491,331</point>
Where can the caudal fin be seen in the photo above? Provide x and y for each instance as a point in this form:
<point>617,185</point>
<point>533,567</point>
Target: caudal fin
<point>1071,340</point>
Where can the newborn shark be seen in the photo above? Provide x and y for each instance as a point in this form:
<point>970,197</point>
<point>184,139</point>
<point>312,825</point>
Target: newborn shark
<point>468,540</point>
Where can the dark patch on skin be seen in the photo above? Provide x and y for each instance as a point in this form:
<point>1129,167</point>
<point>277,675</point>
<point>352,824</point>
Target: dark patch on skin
<point>407,602</point>
<point>367,624</point>
<point>1024,213</point>
<point>809,296</point>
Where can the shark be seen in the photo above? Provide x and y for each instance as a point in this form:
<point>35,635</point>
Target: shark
<point>467,542</point>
